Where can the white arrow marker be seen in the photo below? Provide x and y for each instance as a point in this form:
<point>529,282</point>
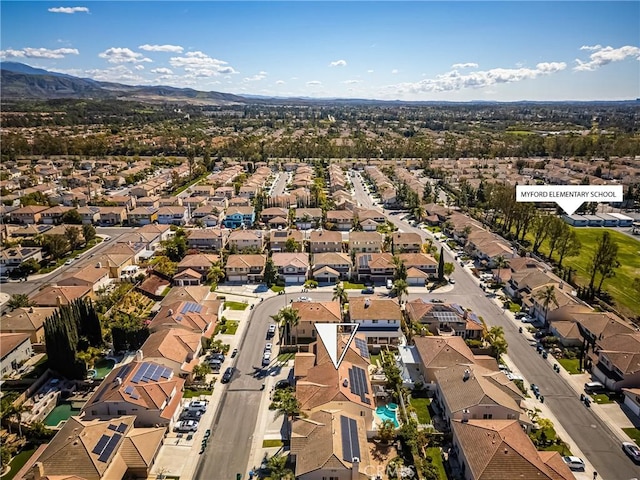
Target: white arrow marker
<point>328,333</point>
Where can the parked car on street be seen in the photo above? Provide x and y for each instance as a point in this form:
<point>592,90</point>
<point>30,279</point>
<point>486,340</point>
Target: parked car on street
<point>186,426</point>
<point>632,450</point>
<point>367,290</point>
<point>574,463</point>
<point>282,384</point>
<point>228,373</point>
<point>234,353</point>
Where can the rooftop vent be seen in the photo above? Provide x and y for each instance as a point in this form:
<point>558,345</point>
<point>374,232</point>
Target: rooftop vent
<point>466,375</point>
<point>345,383</point>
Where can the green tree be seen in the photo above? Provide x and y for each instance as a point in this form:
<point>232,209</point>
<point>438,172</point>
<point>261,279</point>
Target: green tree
<point>399,269</point>
<point>270,273</point>
<point>88,232</point>
<point>400,288</point>
<point>569,245</point>
<point>604,260</point>
<point>340,294</point>
<point>291,245</point>
<point>72,234</point>
<point>547,296</point>
<point>277,468</point>
<point>449,268</point>
<point>19,300</point>
<point>201,371</point>
<point>215,274</point>
<point>162,264</point>
<point>176,247</point>
<point>441,265</point>
<point>288,406</point>
<point>495,337</point>
<point>287,318</point>
<point>72,217</point>
<point>55,245</point>
<point>387,431</point>
<point>27,268</point>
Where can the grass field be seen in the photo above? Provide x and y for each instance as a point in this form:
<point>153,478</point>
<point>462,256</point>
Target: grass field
<point>421,406</point>
<point>436,459</point>
<point>571,365</point>
<point>277,288</point>
<point>619,286</point>
<point>272,443</point>
<point>601,398</point>
<point>236,305</point>
<point>196,393</point>
<point>17,463</point>
<point>352,286</point>
<point>634,433</point>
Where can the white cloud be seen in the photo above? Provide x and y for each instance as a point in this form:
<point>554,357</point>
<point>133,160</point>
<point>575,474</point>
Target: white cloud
<point>257,77</point>
<point>454,80</point>
<point>314,83</point>
<point>605,55</point>
<point>464,65</point>
<point>351,82</point>
<point>29,52</point>
<point>122,55</point>
<point>338,63</point>
<point>394,71</point>
<point>161,48</point>
<point>369,71</point>
<point>280,82</point>
<point>162,71</point>
<point>591,47</point>
<point>119,73</point>
<point>198,64</point>
<point>69,10</point>
<point>139,67</point>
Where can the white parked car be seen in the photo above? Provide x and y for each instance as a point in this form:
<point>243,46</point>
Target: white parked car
<point>574,463</point>
<point>197,405</point>
<point>186,426</point>
<point>267,347</point>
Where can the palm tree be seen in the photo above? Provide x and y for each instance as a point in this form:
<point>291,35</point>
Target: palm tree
<point>287,318</point>
<point>215,274</point>
<point>495,337</point>
<point>339,293</point>
<point>289,407</point>
<point>277,468</point>
<point>500,263</point>
<point>547,296</point>
<point>399,269</point>
<point>401,289</point>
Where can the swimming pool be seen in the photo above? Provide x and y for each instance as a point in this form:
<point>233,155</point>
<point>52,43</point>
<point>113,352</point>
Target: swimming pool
<point>388,412</point>
<point>60,413</point>
<point>103,367</point>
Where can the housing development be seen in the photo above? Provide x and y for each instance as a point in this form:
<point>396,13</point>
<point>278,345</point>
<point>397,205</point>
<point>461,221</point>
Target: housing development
<point>170,270</point>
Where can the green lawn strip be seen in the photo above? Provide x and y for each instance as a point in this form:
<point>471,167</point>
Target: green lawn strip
<point>436,459</point>
<point>72,254</point>
<point>285,357</point>
<point>277,289</point>
<point>421,406</point>
<point>352,286</point>
<point>272,443</point>
<point>514,307</point>
<point>376,359</point>
<point>232,326</point>
<point>235,305</point>
<point>562,449</point>
<point>196,393</point>
<point>18,462</point>
<point>628,256</point>
<point>601,398</point>
<point>634,433</point>
<point>571,365</point>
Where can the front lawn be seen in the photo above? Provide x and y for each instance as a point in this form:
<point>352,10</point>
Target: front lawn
<point>235,305</point>
<point>18,462</point>
<point>285,357</point>
<point>272,443</point>
<point>571,365</point>
<point>421,406</point>
<point>376,359</point>
<point>601,398</point>
<point>352,286</point>
<point>634,433</point>
<point>514,307</point>
<point>196,393</point>
<point>561,448</point>
<point>232,326</point>
<point>277,289</point>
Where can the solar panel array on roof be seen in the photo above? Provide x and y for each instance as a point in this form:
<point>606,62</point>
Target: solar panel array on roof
<point>189,307</point>
<point>110,447</point>
<point>104,439</point>
<point>350,444</point>
<point>457,308</point>
<point>150,372</point>
<point>358,381</point>
<point>361,345</point>
<point>128,390</point>
<point>363,260</point>
<point>446,317</point>
<point>122,428</point>
<point>474,318</point>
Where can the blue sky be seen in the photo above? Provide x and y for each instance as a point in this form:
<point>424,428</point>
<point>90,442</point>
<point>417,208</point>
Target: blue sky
<point>457,51</point>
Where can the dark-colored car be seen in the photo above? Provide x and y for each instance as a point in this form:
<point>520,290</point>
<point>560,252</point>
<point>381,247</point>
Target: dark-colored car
<point>234,353</point>
<point>368,290</point>
<point>228,373</point>
<point>282,384</point>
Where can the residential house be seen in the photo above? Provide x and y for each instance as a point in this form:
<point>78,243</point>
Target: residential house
<point>242,268</point>
<point>94,276</point>
<point>116,262</point>
<point>618,361</point>
<point>321,241</point>
<point>379,319</point>
<point>370,214</point>
<point>330,444</point>
<point>126,201</point>
<point>113,215</point>
<point>469,392</point>
<point>311,313</point>
<point>186,314</point>
<point>210,239</point>
<point>98,449</point>
<point>193,269</point>
<point>292,267</point>
<point>365,242</point>
<point>273,212</point>
<point>153,202</point>
<point>28,215</point>
<point>534,302</point>
<point>331,266</point>
<point>28,320</point>
<point>308,218</point>
<point>406,243</point>
<point>374,267</point>
<point>237,217</point>
<point>240,240</point>
<point>147,390</point>
<point>11,258</point>
<point>424,263</point>
<point>54,296</point>
<point>15,349</point>
<point>174,215</point>
<point>443,319</point>
<point>342,219</point>
<point>278,239</point>
<point>89,215</point>
<point>176,348</point>
<point>143,216</point>
<point>53,215</point>
<point>225,191</point>
<point>491,449</point>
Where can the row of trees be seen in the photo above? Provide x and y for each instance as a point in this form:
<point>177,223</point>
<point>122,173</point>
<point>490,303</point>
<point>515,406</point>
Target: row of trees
<point>72,329</point>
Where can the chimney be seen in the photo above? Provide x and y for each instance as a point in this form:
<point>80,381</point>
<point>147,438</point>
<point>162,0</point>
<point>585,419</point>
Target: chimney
<point>465,415</point>
<point>30,309</point>
<point>169,312</point>
<point>118,380</point>
<point>355,468</point>
<point>345,383</point>
<point>367,303</point>
<point>38,471</point>
<point>139,355</point>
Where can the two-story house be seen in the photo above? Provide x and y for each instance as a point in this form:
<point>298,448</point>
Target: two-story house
<point>273,212</point>
<point>379,319</point>
<point>113,215</point>
<point>329,267</point>
<point>342,219</point>
<point>240,240</point>
<point>28,215</point>
<point>236,217</point>
<point>402,242</point>
<point>245,268</point>
<point>292,267</point>
<point>308,218</point>
<point>321,241</point>
<point>173,215</point>
<point>53,215</point>
<point>278,240</point>
<point>374,267</point>
<point>365,242</point>
<point>12,258</point>
<point>143,216</point>
<point>207,240</point>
